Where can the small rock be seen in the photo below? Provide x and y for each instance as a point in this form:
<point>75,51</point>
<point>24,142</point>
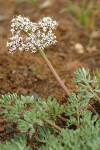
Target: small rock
<point>22,90</point>
<point>2,92</point>
<point>3,18</point>
<point>91,49</point>
<point>9,129</point>
<point>95,34</point>
<point>79,48</point>
<point>36,96</point>
<point>25,74</point>
<point>13,71</point>
<point>45,4</point>
<point>2,129</point>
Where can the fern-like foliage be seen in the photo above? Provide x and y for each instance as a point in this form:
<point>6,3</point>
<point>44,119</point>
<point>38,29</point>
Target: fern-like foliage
<point>85,138</point>
<point>18,143</point>
<point>27,112</point>
<point>76,110</point>
<point>79,101</point>
<point>84,80</point>
<point>40,117</point>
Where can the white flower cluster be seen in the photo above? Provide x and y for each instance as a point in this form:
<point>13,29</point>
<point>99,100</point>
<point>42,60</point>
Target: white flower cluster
<point>27,35</point>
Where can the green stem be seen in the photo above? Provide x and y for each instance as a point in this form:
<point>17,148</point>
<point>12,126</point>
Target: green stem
<point>52,124</point>
<point>78,116</point>
<point>94,111</point>
<point>54,72</point>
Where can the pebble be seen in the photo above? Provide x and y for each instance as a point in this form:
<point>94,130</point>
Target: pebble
<point>91,49</point>
<point>2,92</point>
<point>79,48</point>
<point>45,4</point>
<point>9,129</point>
<point>35,95</point>
<point>95,34</point>
<point>2,129</point>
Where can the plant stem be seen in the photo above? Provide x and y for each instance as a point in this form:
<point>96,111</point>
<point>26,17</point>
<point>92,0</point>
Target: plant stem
<point>62,118</point>
<point>54,72</point>
<point>78,116</point>
<point>94,111</point>
<point>52,124</point>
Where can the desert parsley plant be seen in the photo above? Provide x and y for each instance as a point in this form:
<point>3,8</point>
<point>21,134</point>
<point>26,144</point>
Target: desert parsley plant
<point>81,128</point>
<point>41,117</point>
<point>27,35</point>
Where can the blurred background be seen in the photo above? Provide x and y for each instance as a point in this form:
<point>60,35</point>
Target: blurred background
<point>78,36</point>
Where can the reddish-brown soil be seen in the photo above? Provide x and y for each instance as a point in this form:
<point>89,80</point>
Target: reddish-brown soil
<point>27,73</point>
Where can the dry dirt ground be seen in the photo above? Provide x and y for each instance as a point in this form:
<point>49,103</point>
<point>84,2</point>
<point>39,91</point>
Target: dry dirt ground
<point>26,73</point>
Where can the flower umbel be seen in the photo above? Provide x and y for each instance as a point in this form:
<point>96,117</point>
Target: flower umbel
<point>27,35</point>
